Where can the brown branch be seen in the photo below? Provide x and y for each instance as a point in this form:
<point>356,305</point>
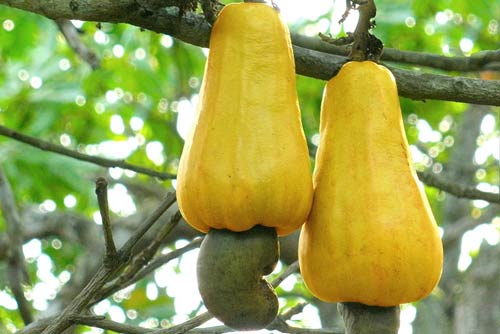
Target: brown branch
<point>361,49</point>
<point>72,36</point>
<point>479,61</point>
<point>194,29</point>
<point>456,189</point>
<point>105,273</point>
<point>17,273</point>
<point>125,280</point>
<point>108,163</point>
<point>101,189</point>
<point>364,319</point>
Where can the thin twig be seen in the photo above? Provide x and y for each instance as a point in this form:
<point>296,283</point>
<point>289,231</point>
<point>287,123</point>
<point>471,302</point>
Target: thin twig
<point>105,273</point>
<point>101,190</point>
<point>126,250</point>
<point>109,163</point>
<point>292,268</point>
<point>17,273</point>
<point>124,281</point>
<point>72,36</point>
<point>185,326</point>
<point>456,189</point>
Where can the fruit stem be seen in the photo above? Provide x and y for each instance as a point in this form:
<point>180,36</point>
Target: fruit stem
<point>366,46</point>
<point>364,319</point>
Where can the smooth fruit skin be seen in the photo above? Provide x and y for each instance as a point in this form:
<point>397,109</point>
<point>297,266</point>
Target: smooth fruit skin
<point>371,236</point>
<point>246,160</point>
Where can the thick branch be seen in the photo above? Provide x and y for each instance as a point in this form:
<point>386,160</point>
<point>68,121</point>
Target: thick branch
<point>480,61</point>
<point>194,29</point>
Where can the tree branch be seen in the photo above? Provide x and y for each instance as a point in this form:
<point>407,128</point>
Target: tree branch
<point>101,189</point>
<point>17,273</point>
<point>456,189</point>
<point>480,61</point>
<point>74,41</point>
<point>108,163</point>
<point>105,273</point>
<point>194,29</point>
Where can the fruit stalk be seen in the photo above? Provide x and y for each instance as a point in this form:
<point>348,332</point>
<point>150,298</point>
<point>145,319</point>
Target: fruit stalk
<point>364,319</point>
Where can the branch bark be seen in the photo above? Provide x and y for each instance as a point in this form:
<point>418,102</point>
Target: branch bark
<point>194,29</point>
<point>16,266</point>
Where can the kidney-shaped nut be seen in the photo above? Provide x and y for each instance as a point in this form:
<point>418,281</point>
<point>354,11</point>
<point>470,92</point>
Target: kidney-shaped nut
<point>230,269</point>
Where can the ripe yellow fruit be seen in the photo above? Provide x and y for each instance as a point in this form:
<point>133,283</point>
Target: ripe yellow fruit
<point>246,160</point>
<point>371,236</point>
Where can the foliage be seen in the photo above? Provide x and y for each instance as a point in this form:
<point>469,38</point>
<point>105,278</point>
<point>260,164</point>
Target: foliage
<point>136,106</point>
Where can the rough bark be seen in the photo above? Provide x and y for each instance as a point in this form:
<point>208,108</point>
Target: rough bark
<point>194,29</point>
<point>364,319</point>
<point>478,307</point>
<point>439,310</point>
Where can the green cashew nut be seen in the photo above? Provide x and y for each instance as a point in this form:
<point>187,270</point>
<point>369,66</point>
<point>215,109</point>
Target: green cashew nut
<point>230,269</point>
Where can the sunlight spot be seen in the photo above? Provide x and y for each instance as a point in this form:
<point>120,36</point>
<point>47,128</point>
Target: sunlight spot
<point>410,22</point>
<point>289,283</point>
<point>136,123</point>
<point>32,249</point>
<point>70,201</point>
<point>292,11</point>
<point>151,291</point>
<point>7,301</point>
<point>23,75</point>
<point>140,53</point>
<point>96,217</point>
<point>446,123</point>
<point>194,82</point>
<point>315,139</point>
<point>186,115</point>
<point>56,243</point>
<point>113,149</point>
<point>64,64</point>
<point>472,19</point>
<point>77,23</point>
<point>131,314</point>
<point>488,124</point>
<point>166,41</point>
<point>116,313</point>
<point>466,45</point>
<point>8,25</point>
<point>102,307</point>
<point>445,48</point>
<point>116,125</point>
<point>100,37</point>
<point>120,201</point>
<point>441,18</point>
<point>118,50</point>
<point>99,108</point>
<point>471,242</point>
<point>407,316</point>
<point>48,206</point>
<point>65,140</point>
<point>111,96</point>
<point>493,27</point>
<point>154,152</point>
<point>425,132</point>
<point>416,155</point>
<point>36,82</point>
<point>309,317</point>
<point>80,100</point>
<point>64,276</point>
